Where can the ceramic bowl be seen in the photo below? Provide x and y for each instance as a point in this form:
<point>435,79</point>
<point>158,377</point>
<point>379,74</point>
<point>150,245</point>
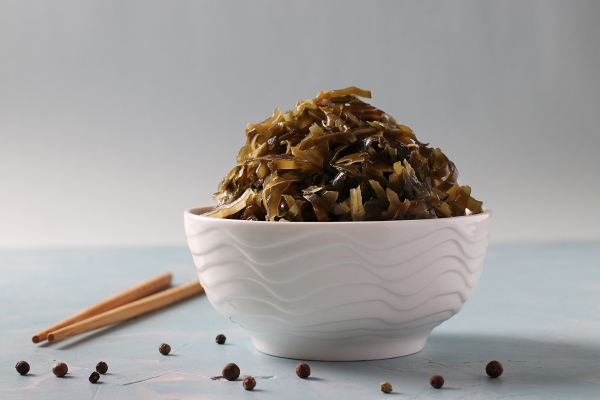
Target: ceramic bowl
<point>338,291</point>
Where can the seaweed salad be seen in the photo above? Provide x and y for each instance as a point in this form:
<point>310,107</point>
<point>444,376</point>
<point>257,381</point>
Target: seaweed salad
<point>338,158</point>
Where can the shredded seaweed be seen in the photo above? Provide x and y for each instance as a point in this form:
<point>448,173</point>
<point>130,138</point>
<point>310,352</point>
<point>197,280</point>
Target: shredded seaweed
<point>337,158</point>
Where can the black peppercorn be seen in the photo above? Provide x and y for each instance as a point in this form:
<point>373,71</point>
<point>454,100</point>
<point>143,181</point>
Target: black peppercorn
<point>60,369</point>
<point>164,349</point>
<point>436,381</point>
<point>494,369</point>
<point>231,372</point>
<point>249,383</point>
<point>303,370</point>
<point>102,367</point>
<point>22,367</point>
<point>220,339</point>
<point>94,377</point>
<point>385,387</point>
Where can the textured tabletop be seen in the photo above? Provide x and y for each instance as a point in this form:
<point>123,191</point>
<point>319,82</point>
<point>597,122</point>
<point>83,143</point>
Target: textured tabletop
<point>536,309</point>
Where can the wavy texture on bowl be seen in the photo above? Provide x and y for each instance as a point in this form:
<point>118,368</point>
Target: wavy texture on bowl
<point>339,290</point>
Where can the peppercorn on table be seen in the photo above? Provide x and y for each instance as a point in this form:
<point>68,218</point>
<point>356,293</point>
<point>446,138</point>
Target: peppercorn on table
<point>536,311</point>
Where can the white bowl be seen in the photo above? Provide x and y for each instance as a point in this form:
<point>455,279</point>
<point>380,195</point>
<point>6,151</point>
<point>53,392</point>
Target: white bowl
<point>338,291</point>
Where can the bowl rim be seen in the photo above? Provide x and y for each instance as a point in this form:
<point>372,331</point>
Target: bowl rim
<point>193,214</point>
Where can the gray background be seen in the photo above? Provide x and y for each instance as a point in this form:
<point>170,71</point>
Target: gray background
<point>115,116</point>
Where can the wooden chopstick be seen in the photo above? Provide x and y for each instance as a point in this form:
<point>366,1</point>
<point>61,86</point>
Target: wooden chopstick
<point>138,291</point>
<point>129,311</point>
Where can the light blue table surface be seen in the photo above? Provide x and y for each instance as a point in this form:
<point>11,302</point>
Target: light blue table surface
<point>536,309</point>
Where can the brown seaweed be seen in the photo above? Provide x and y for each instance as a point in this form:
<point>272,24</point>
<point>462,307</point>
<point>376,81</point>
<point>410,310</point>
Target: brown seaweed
<point>338,158</point>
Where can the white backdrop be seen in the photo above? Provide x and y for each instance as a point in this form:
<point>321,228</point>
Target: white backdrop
<point>115,116</point>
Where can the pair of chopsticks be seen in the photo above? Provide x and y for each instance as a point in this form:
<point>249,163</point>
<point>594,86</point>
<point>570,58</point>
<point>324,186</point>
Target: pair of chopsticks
<point>122,306</point>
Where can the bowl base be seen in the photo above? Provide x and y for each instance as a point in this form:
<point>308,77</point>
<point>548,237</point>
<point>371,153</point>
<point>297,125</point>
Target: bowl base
<point>358,349</point>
